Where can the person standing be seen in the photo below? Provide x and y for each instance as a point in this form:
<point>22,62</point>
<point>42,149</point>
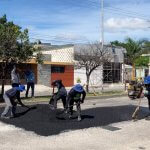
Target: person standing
<point>15,79</point>
<point>30,79</point>
<point>147,91</point>
<point>148,98</point>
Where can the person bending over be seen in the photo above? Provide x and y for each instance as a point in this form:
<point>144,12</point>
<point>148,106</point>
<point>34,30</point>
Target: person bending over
<point>60,94</point>
<point>76,95</point>
<point>9,97</point>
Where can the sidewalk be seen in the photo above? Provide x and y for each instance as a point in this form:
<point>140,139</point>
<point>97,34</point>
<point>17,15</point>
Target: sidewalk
<point>42,90</point>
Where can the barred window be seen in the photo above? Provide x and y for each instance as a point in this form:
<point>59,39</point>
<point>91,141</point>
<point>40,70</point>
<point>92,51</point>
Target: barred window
<point>57,69</point>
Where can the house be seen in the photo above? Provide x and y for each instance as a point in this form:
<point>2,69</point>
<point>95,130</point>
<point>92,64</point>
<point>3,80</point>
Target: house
<point>58,64</point>
<point>112,72</point>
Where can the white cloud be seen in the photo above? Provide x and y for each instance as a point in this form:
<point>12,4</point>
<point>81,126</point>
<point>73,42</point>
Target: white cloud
<point>125,24</point>
<point>55,36</point>
<point>70,36</point>
<point>72,30</point>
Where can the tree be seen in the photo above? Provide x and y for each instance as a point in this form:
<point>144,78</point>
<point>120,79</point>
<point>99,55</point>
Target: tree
<point>146,47</point>
<point>90,57</point>
<point>117,43</point>
<point>134,50</point>
<point>142,61</point>
<point>14,46</point>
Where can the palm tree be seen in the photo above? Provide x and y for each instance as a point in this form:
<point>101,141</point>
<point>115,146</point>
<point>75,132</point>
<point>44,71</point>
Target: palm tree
<point>134,50</point>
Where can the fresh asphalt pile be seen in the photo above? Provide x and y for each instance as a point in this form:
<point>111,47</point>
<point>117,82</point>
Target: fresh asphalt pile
<point>45,122</point>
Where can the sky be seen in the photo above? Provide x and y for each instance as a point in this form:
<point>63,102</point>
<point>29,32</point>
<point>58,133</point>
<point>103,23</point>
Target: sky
<point>79,21</point>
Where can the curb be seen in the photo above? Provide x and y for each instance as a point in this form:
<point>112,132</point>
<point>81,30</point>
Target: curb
<point>104,96</point>
<point>87,98</point>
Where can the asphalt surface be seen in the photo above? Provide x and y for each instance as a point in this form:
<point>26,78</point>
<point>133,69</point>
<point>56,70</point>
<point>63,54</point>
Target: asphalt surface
<point>45,122</point>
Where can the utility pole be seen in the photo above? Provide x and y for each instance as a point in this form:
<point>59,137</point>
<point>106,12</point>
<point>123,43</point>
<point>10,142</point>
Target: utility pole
<point>102,23</point>
<point>102,35</point>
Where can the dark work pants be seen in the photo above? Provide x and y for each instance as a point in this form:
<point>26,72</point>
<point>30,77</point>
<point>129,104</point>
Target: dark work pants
<point>30,84</point>
<point>16,85</point>
<point>71,103</point>
<point>148,102</point>
<point>55,98</point>
<point>63,98</point>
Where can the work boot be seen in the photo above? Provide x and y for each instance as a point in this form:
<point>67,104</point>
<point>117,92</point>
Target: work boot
<point>65,111</point>
<point>79,118</point>
<point>52,107</point>
<point>148,115</point>
<point>13,116</point>
<point>70,116</point>
<point>147,118</point>
<point>5,117</point>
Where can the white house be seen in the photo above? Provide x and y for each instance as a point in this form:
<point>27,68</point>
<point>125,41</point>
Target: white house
<point>112,72</point>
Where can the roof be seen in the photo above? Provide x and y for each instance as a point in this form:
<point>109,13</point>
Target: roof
<point>78,47</point>
<point>117,51</point>
<point>48,47</point>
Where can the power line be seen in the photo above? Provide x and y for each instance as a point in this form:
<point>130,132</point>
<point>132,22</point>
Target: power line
<point>113,10</point>
<point>57,37</point>
<point>61,41</point>
<point>125,14</point>
<point>129,14</point>
<point>57,40</point>
<point>122,11</point>
<point>116,8</point>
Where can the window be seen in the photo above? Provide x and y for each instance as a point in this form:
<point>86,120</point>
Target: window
<point>57,69</point>
<point>112,73</point>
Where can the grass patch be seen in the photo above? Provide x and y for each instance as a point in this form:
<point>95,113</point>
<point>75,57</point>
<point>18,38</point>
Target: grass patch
<point>107,93</point>
<point>37,99</point>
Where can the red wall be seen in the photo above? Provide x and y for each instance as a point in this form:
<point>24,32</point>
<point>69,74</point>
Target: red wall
<point>67,77</point>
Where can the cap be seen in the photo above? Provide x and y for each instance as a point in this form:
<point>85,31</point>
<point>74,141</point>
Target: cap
<point>78,88</point>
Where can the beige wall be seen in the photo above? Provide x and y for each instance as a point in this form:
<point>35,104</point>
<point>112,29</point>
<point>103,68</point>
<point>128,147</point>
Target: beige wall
<point>61,55</point>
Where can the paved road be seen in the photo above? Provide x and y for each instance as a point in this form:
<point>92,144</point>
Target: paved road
<point>97,115</point>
